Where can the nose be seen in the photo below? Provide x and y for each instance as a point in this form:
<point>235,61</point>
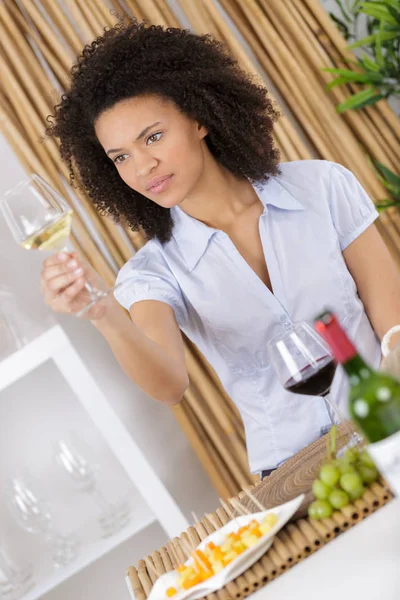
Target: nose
<point>144,164</point>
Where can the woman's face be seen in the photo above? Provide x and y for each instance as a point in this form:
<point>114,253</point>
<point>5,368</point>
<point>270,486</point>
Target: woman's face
<point>149,139</point>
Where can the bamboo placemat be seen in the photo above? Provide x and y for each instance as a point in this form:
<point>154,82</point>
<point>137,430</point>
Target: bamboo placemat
<point>298,539</point>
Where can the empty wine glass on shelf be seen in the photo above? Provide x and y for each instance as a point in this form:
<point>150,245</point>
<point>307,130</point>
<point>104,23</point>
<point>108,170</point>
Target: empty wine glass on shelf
<point>40,219</point>
<point>33,514</point>
<point>304,365</point>
<point>113,516</point>
<point>15,581</point>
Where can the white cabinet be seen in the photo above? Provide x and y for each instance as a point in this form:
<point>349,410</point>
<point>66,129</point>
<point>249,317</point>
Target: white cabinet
<point>153,501</point>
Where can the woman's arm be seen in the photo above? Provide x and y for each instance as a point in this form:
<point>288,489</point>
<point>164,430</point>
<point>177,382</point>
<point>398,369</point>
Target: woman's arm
<point>378,281</point>
<point>149,348</point>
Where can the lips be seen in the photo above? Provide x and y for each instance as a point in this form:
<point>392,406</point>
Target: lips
<point>156,181</point>
<point>162,185</point>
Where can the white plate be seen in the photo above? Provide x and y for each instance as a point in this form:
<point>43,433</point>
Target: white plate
<point>238,565</point>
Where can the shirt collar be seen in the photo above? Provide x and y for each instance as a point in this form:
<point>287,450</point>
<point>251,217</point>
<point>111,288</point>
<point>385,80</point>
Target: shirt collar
<point>193,236</point>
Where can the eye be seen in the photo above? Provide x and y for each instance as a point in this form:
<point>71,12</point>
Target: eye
<point>154,135</point>
<point>116,159</point>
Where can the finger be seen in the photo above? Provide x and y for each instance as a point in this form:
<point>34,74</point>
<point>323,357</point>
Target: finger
<point>62,301</point>
<point>61,282</point>
<point>61,257</point>
<point>52,271</point>
<point>74,289</point>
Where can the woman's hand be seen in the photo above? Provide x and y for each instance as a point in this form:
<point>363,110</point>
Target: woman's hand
<point>62,284</point>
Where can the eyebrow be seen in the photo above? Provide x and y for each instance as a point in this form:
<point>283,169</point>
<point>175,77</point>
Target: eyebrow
<point>141,134</point>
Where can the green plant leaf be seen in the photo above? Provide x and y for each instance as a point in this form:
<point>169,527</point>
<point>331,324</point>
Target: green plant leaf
<point>371,78</point>
<point>391,177</point>
<point>371,39</point>
<point>394,9</point>
<point>359,100</point>
<point>382,205</point>
<point>394,190</point>
<point>378,48</point>
<point>391,183</point>
<point>395,4</point>
<point>335,82</point>
<point>378,11</point>
<point>369,64</point>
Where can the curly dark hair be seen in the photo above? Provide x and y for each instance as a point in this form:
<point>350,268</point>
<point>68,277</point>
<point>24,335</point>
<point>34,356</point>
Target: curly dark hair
<point>196,73</point>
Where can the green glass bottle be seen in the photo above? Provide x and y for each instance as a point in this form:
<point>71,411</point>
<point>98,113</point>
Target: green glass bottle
<point>374,400</point>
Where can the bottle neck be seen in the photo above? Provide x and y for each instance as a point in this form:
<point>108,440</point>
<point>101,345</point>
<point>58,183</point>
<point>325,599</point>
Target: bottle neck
<point>356,367</point>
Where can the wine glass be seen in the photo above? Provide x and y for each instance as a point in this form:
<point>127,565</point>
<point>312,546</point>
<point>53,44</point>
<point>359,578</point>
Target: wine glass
<point>68,456</point>
<point>33,514</point>
<point>15,582</point>
<point>304,365</point>
<point>40,219</point>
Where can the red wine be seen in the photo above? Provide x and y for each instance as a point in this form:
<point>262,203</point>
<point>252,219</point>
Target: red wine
<point>313,383</point>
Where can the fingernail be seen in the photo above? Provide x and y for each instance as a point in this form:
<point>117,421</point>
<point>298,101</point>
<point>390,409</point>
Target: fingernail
<point>77,271</point>
<point>62,256</point>
<point>72,264</point>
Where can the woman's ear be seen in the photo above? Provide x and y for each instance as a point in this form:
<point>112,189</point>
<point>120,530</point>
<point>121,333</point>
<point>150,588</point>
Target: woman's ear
<point>202,130</point>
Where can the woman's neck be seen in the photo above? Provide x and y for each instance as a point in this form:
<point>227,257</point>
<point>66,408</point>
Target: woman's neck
<point>219,197</point>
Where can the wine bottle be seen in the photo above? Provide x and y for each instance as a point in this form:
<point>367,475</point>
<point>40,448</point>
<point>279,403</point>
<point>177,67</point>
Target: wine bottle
<point>374,400</point>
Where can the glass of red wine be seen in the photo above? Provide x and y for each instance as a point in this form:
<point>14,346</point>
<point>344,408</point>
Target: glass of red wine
<point>304,364</point>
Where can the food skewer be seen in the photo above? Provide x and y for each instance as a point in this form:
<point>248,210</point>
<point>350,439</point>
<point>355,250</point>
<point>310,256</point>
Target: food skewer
<point>150,567</point>
<point>239,507</point>
<point>254,499</point>
<point>196,520</point>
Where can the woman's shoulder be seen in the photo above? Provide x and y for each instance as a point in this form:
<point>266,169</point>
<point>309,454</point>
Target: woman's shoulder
<point>311,181</point>
<point>150,251</point>
<point>309,171</point>
<point>149,260</point>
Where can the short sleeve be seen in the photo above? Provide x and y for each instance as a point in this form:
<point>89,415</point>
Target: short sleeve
<point>146,276</point>
<point>351,208</point>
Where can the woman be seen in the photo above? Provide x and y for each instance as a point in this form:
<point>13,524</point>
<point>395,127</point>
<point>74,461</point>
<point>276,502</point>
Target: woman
<point>167,133</point>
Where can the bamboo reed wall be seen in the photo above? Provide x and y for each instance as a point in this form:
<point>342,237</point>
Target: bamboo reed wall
<point>290,42</point>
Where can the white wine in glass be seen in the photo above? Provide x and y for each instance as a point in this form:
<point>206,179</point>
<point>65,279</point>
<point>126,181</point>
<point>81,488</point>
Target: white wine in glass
<point>53,237</point>
<point>40,219</point>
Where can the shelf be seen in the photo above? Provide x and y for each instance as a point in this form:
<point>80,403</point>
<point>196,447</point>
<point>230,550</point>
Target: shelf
<point>55,345</point>
<point>89,553</point>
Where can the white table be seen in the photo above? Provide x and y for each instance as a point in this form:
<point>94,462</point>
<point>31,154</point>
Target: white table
<point>361,564</point>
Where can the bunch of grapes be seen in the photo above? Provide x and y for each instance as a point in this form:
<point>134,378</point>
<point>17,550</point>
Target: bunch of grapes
<point>340,481</point>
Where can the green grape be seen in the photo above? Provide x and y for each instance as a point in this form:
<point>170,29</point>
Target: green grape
<point>357,492</point>
<point>320,490</point>
<point>338,498</point>
<point>350,482</point>
<point>366,459</point>
<point>345,467</point>
<point>351,455</point>
<point>368,474</point>
<point>319,509</point>
<point>329,474</point>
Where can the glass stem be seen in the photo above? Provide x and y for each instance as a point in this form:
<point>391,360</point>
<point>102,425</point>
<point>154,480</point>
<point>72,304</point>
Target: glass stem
<point>333,409</point>
<point>346,423</point>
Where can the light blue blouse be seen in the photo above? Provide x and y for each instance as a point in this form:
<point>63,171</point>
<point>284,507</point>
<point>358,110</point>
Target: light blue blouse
<point>312,212</point>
